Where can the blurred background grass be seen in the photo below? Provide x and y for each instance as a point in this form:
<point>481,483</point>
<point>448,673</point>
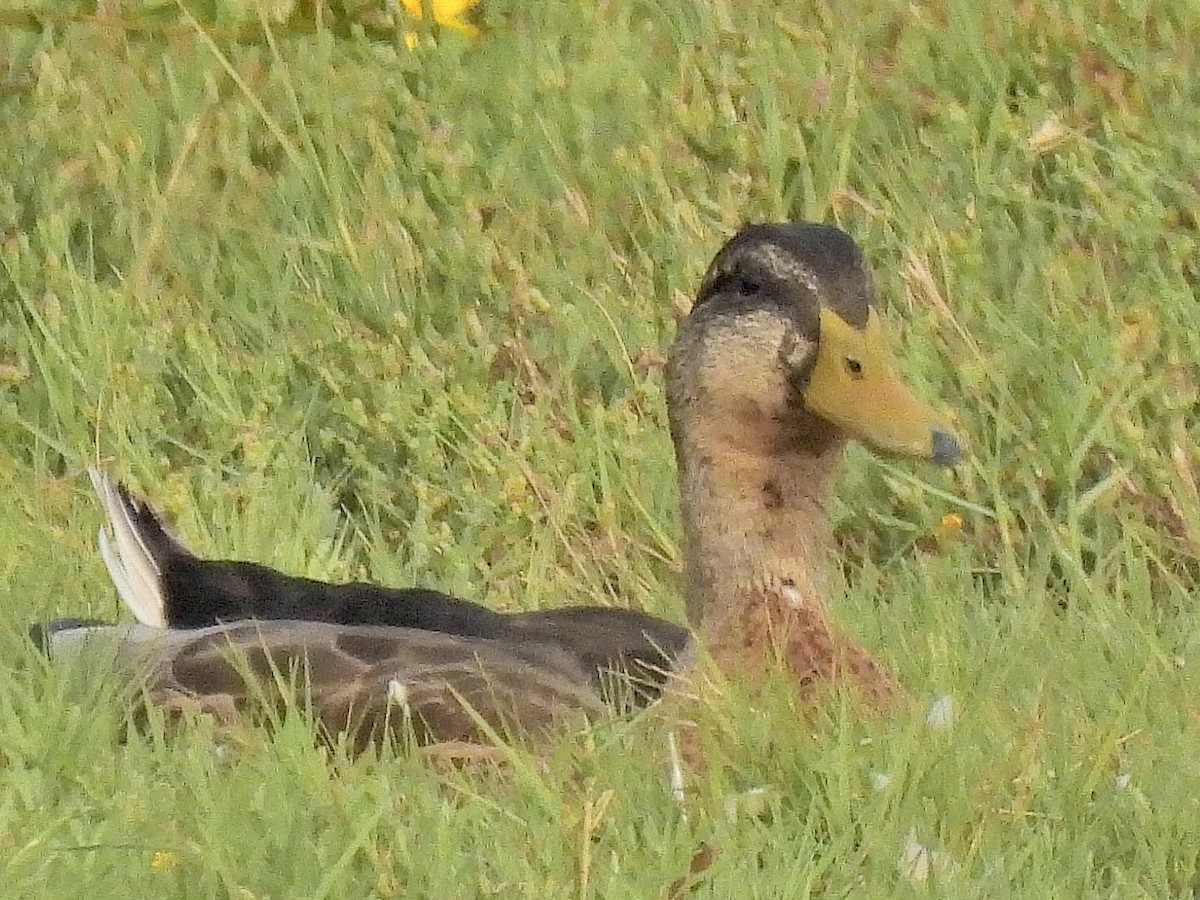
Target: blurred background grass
<point>363,297</point>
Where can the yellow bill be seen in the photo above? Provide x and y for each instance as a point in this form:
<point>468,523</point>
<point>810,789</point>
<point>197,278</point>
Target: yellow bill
<point>854,386</point>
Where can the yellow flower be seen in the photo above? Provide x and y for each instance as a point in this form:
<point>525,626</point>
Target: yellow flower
<point>447,13</point>
<point>164,859</point>
<point>951,522</point>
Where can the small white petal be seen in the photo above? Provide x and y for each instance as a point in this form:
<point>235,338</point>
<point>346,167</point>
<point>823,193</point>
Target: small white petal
<point>941,713</point>
<point>1123,781</point>
<point>917,861</point>
<point>880,781</point>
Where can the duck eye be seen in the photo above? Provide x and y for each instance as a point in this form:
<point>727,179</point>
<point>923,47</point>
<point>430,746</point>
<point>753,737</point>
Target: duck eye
<point>854,367</point>
<point>748,287</point>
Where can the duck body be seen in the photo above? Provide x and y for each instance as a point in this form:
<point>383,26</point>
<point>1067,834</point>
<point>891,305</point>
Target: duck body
<point>211,592</point>
<point>778,365</point>
<point>218,635</point>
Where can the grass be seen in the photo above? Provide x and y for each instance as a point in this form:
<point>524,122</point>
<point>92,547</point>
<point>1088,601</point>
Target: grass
<point>357,310</point>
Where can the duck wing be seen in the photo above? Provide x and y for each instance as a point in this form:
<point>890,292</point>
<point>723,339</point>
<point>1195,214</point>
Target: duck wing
<point>166,585</point>
<point>366,682</point>
<point>640,648</point>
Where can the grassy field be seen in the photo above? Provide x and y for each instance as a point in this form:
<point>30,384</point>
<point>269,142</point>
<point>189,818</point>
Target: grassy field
<point>361,310</point>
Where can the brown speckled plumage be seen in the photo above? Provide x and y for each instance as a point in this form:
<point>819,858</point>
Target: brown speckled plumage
<point>362,680</point>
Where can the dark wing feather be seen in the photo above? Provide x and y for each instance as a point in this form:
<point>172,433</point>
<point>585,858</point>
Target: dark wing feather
<point>201,592</point>
<point>607,640</point>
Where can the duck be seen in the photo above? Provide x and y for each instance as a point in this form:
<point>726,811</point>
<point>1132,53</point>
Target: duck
<point>782,361</point>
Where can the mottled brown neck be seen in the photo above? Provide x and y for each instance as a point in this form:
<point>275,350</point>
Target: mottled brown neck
<point>759,546</point>
<point>755,506</point>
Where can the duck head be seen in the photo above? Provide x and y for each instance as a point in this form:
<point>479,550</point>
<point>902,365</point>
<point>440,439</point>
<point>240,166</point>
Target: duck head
<point>786,345</point>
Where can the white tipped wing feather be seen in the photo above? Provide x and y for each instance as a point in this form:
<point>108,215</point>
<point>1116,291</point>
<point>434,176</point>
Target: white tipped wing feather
<point>134,571</point>
<point>116,570</point>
